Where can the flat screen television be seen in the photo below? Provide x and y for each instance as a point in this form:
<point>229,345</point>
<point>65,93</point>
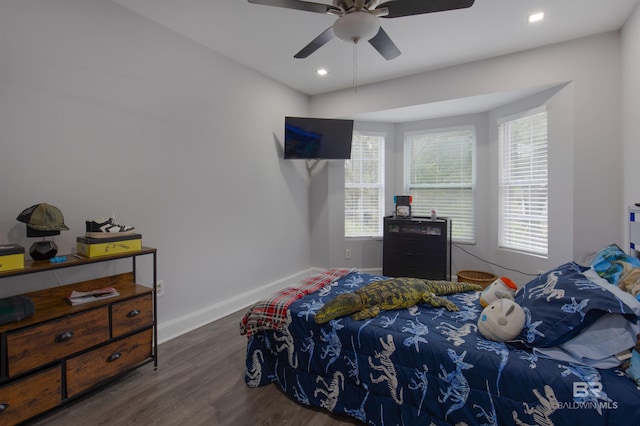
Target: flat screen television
<point>317,138</point>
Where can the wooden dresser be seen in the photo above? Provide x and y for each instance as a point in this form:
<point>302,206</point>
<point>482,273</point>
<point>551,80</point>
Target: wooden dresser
<point>64,351</point>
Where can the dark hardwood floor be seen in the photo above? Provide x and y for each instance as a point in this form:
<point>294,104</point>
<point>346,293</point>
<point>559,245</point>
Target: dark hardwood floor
<point>199,381</point>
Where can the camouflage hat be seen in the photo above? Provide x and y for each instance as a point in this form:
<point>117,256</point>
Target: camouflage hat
<point>43,217</point>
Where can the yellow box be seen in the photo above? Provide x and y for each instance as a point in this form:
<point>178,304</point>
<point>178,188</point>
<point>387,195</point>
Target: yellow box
<point>96,247</point>
<point>11,257</point>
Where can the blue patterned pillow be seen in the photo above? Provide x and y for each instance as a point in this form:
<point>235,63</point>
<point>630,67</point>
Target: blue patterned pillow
<point>561,303</point>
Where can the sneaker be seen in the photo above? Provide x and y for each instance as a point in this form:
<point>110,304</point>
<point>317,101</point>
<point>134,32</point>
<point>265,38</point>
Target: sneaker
<point>106,227</point>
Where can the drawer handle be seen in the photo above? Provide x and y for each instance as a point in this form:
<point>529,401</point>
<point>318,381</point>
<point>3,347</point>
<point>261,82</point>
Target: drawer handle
<point>3,407</point>
<point>114,357</point>
<point>133,313</point>
<point>64,336</point>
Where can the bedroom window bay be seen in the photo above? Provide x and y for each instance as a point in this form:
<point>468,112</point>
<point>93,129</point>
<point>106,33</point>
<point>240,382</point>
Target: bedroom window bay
<point>523,183</point>
<point>440,175</point>
<point>364,186</point>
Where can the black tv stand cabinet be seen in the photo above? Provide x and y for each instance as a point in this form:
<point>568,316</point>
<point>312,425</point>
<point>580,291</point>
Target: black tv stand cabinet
<point>417,247</point>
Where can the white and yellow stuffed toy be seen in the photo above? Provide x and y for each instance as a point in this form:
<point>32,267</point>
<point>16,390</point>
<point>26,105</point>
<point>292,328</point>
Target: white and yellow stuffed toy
<point>501,321</point>
<point>502,288</point>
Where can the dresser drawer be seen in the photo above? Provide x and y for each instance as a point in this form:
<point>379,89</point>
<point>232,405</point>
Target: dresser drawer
<point>416,245</point>
<point>30,396</point>
<point>131,315</point>
<point>49,341</point>
<point>107,361</point>
<point>422,266</point>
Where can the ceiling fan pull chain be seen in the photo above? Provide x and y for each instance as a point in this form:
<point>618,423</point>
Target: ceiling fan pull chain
<point>355,66</point>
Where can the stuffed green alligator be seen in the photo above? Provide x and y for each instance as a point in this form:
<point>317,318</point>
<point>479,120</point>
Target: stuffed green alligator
<point>396,293</point>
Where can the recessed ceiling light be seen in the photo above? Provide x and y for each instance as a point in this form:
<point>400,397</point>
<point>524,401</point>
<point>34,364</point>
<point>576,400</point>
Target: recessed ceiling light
<point>322,71</point>
<point>536,17</point>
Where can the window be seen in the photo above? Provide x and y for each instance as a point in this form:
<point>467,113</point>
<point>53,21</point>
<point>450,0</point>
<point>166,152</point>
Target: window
<point>364,186</point>
<point>440,176</point>
<point>523,183</point>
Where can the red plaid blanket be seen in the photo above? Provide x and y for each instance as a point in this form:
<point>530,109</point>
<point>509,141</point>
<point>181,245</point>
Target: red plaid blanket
<point>270,313</point>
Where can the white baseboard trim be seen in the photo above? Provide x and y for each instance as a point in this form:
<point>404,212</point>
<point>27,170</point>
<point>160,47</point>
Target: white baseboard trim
<point>168,330</point>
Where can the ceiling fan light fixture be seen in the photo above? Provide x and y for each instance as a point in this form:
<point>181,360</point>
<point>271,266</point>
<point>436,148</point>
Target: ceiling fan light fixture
<point>356,26</point>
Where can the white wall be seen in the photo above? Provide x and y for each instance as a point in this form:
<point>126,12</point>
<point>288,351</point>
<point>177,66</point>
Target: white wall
<point>103,111</point>
<point>585,121</point>
<point>630,108</point>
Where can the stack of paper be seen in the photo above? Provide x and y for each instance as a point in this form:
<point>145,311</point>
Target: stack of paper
<point>79,297</point>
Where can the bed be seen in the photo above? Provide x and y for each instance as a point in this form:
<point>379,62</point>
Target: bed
<point>428,366</point>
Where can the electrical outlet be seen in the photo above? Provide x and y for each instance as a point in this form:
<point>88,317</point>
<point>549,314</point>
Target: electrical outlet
<point>347,254</point>
<point>160,288</point>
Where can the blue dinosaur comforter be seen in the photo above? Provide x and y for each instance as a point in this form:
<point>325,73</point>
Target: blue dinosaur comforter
<point>425,365</point>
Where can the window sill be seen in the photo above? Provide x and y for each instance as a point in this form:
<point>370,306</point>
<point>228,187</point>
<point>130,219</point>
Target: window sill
<point>363,238</point>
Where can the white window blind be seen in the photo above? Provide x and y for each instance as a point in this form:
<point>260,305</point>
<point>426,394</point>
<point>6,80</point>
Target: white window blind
<point>364,186</point>
<point>440,175</point>
<point>523,183</point>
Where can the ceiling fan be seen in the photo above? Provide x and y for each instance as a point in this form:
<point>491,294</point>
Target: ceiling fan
<point>358,19</point>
